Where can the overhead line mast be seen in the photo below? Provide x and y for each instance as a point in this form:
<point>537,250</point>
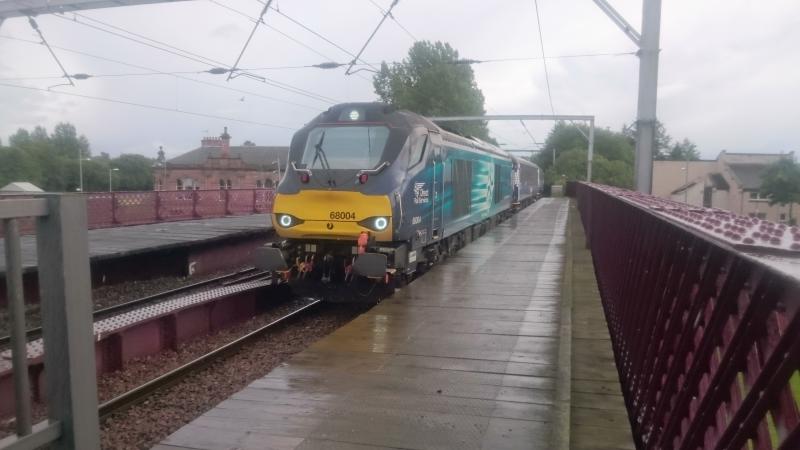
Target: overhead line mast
<point>648,44</point>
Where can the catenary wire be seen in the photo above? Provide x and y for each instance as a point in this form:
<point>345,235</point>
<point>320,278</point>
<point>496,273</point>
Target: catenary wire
<point>371,36</point>
<point>35,27</point>
<point>317,34</point>
<point>147,106</point>
<point>529,132</point>
<point>196,58</point>
<point>394,19</point>
<point>155,71</point>
<point>544,57</point>
<point>286,35</point>
<point>249,38</point>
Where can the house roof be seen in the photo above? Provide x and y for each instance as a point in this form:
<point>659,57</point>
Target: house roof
<point>684,187</point>
<point>718,181</point>
<point>749,175</point>
<point>256,156</point>
<point>21,186</point>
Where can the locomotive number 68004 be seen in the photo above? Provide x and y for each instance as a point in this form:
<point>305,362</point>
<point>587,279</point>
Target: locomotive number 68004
<point>343,215</point>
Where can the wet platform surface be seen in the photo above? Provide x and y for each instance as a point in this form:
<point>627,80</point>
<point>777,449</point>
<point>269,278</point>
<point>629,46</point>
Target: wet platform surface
<point>107,243</point>
<point>465,357</point>
<point>598,418</point>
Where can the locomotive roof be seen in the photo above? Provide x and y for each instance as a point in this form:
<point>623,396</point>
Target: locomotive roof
<point>377,112</point>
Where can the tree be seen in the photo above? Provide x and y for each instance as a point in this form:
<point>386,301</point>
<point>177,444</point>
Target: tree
<point>431,82</point>
<point>664,149</point>
<point>135,172</point>
<point>51,162</point>
<point>613,156</point>
<point>685,150</point>
<point>781,184</point>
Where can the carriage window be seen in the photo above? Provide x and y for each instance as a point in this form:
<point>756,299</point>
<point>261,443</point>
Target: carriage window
<point>417,151</point>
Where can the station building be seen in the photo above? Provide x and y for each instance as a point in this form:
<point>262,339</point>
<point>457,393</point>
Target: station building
<point>218,165</point>
<point>731,182</point>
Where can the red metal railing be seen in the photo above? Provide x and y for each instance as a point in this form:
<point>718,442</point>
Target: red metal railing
<point>114,209</point>
<point>706,336</point>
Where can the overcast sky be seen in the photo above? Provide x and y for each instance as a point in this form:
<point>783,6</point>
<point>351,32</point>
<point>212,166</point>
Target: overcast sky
<point>728,78</point>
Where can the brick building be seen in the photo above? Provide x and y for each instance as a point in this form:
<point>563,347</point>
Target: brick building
<point>732,182</point>
<point>218,165</point>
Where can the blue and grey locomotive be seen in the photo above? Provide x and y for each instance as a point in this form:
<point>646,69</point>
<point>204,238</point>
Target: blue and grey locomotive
<point>377,192</point>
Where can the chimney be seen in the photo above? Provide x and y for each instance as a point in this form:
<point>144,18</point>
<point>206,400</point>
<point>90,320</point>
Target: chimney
<point>226,143</point>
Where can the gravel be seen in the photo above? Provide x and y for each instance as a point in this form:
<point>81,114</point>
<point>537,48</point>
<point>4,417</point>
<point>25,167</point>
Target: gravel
<point>146,424</point>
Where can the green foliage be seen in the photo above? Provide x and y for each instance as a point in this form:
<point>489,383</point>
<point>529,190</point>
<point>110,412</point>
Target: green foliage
<point>432,83</point>
<point>685,150</point>
<point>50,161</point>
<point>664,149</point>
<point>612,162</point>
<point>781,183</point>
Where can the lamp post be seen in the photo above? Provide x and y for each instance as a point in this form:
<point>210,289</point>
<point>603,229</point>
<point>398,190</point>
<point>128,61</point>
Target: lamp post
<point>81,159</point>
<point>80,170</point>
<point>110,171</point>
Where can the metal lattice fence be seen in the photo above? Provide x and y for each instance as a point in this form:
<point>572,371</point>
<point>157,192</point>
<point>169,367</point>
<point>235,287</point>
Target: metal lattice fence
<point>706,334</point>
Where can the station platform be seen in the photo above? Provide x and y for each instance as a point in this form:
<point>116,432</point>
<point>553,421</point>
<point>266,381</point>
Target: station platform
<point>137,252</point>
<point>465,357</point>
<point>108,243</point>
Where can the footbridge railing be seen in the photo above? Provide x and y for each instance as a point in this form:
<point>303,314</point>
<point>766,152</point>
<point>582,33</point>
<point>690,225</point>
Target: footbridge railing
<point>117,209</point>
<point>69,381</point>
<point>702,308</point>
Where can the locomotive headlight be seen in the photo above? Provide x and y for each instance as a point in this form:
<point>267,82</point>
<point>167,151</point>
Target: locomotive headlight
<point>379,223</point>
<point>287,220</point>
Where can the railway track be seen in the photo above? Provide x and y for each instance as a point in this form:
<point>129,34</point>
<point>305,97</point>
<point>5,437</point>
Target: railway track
<point>225,280</point>
<point>142,392</point>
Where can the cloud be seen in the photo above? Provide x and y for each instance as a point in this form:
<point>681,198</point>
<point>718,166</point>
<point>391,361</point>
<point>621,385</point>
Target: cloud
<point>727,71</point>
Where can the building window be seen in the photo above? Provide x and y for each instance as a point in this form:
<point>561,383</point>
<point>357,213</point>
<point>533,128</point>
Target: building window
<point>783,217</point>
<point>230,185</point>
<point>222,184</point>
<point>761,216</point>
<point>259,185</point>
<point>268,183</point>
<point>758,197</point>
<point>180,184</point>
<point>708,195</point>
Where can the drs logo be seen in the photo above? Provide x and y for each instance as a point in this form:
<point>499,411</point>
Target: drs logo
<point>342,215</point>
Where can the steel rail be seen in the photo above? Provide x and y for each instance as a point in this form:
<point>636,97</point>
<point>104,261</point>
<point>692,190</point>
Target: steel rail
<point>36,332</point>
<point>140,393</point>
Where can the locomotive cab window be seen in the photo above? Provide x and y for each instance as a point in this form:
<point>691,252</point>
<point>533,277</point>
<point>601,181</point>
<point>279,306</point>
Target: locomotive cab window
<point>345,147</point>
<point>417,151</point>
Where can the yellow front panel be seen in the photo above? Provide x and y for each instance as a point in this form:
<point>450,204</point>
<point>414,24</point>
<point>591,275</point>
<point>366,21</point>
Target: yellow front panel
<point>317,207</point>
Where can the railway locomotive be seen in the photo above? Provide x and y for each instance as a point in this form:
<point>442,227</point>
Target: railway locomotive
<point>375,193</point>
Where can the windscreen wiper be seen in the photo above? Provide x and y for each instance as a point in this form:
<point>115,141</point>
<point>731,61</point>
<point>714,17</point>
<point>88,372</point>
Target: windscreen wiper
<point>320,155</point>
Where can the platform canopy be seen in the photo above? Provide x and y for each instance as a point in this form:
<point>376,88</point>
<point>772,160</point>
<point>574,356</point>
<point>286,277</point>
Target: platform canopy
<point>18,8</point>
